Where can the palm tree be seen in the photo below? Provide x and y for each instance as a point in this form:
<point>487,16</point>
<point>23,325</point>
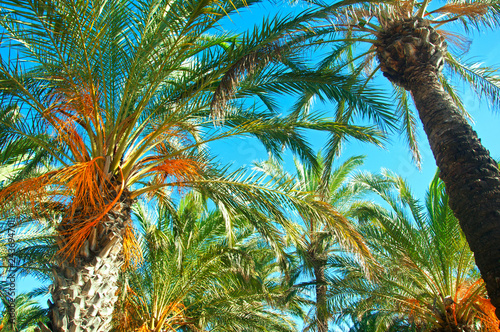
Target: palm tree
<point>405,38</point>
<point>192,280</point>
<point>123,96</point>
<point>320,239</point>
<point>428,280</point>
<point>28,313</point>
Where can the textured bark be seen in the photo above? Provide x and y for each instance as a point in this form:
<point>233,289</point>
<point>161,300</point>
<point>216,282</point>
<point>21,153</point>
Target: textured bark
<point>471,176</point>
<point>84,292</point>
<point>321,305</point>
<point>411,56</point>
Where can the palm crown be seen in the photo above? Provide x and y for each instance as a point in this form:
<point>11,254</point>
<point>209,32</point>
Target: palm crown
<point>318,238</point>
<point>124,105</point>
<point>379,24</point>
<point>411,50</point>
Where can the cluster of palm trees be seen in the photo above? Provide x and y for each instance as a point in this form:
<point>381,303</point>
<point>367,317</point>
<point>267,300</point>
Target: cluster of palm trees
<point>108,112</point>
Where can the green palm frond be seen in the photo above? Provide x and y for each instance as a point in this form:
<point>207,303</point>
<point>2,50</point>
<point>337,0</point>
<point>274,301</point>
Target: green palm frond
<point>484,80</point>
<point>211,283</point>
<point>322,238</point>
<point>28,314</point>
<point>425,260</point>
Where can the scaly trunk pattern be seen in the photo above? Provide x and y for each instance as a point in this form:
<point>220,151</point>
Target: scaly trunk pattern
<point>84,293</point>
<point>321,305</point>
<point>470,174</point>
<point>411,55</point>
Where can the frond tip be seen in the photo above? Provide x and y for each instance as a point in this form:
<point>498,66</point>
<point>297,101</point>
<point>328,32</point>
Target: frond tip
<point>247,64</point>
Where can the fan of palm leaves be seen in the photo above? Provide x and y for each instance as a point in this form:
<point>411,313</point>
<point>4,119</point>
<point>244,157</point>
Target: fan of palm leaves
<point>429,280</point>
<point>192,279</point>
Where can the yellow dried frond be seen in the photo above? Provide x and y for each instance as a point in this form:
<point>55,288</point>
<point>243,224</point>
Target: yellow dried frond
<point>369,59</point>
<point>136,316</point>
<point>354,15</point>
<point>131,248</point>
<point>32,191</point>
<point>128,318</point>
<point>81,101</point>
<point>173,315</point>
<point>463,9</point>
<point>68,134</point>
<point>404,8</point>
<point>74,106</point>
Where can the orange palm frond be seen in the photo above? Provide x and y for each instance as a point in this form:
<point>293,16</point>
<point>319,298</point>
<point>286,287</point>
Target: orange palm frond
<point>470,300</point>
<point>414,308</point>
<point>181,169</point>
<point>75,232</point>
<point>164,141</point>
<point>82,192</point>
<point>78,102</point>
<point>465,291</point>
<point>67,133</point>
<point>87,185</point>
<point>32,191</point>
<point>463,9</point>
<point>74,106</point>
<point>488,318</point>
<point>131,248</point>
<point>128,318</point>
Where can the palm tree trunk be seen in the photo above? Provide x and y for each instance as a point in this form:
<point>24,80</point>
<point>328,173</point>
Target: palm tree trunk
<point>321,305</point>
<point>84,293</point>
<point>471,176</point>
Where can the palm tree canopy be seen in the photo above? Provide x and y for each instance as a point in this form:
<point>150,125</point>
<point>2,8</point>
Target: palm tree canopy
<point>429,281</point>
<point>368,23</point>
<point>191,279</point>
<point>320,239</point>
<point>122,96</point>
<point>407,40</point>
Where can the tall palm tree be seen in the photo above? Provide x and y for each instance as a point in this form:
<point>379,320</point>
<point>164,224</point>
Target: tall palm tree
<point>192,280</point>
<point>406,39</point>
<point>123,95</point>
<point>428,280</point>
<point>319,238</point>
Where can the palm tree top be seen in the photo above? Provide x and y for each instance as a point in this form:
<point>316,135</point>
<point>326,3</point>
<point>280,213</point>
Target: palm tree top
<point>123,97</point>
